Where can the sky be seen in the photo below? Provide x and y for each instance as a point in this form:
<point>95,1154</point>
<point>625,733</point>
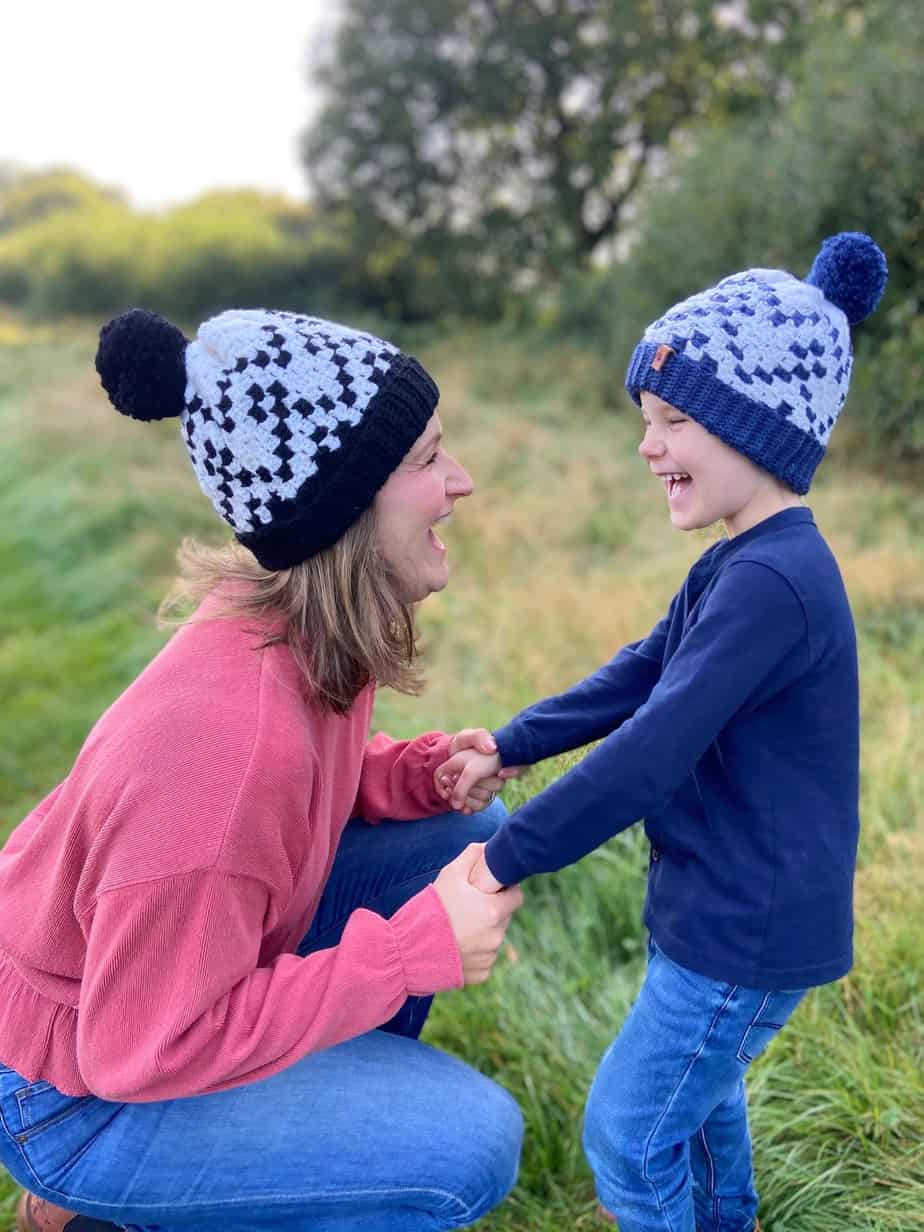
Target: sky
<point>161,100</point>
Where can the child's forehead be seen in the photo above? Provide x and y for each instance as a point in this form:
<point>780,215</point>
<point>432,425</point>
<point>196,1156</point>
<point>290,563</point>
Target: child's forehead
<point>652,403</point>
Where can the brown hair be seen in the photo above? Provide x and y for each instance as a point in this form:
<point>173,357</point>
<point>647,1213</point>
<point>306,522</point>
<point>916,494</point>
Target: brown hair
<point>345,621</point>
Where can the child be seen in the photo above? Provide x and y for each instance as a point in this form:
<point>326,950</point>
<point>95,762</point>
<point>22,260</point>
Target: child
<point>733,729</point>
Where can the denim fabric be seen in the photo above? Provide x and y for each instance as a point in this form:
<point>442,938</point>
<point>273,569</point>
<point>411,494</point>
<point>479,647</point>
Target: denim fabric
<point>666,1129</point>
<point>379,1134</point>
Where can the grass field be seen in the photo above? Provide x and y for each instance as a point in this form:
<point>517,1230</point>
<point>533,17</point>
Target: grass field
<point>564,553</point>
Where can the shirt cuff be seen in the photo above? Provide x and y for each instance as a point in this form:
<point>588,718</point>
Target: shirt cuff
<point>427,945</point>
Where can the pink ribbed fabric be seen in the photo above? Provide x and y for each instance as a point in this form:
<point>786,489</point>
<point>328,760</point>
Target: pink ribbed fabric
<point>150,905</point>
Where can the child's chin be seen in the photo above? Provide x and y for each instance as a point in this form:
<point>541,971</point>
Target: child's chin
<point>683,521</point>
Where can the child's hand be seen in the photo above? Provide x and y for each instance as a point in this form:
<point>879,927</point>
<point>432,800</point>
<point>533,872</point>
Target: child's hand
<point>469,780</point>
<point>472,776</point>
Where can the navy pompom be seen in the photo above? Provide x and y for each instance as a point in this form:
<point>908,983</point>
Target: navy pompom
<point>850,270</point>
<point>141,361</point>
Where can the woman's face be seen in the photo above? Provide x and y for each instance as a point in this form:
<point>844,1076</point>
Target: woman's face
<point>418,494</point>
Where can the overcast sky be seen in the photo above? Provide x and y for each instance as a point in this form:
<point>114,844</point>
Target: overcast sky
<point>163,100</point>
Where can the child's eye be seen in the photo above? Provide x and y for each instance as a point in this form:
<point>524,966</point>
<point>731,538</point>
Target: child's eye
<point>677,421</point>
<point>433,458</point>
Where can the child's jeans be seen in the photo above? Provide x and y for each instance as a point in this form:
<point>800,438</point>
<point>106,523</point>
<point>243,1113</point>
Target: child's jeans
<point>380,1134</point>
<point>666,1129</point>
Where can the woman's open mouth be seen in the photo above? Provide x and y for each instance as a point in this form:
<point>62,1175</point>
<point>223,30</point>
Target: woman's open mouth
<point>435,540</point>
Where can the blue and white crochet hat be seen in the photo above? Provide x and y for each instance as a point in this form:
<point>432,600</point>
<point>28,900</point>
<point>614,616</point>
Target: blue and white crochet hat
<point>292,423</point>
<point>763,359</point>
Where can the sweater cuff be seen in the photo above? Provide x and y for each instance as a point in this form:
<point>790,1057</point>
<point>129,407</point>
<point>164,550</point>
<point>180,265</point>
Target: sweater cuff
<point>434,751</point>
<point>512,745</point>
<point>427,945</point>
<point>501,859</point>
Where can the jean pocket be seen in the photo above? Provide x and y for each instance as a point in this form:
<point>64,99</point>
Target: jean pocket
<point>41,1106</point>
<point>772,1013</point>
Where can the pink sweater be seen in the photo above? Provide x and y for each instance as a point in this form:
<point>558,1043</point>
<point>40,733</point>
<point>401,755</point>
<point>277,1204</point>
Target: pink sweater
<point>150,906</point>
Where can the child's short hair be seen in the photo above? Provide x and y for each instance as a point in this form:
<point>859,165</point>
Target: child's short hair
<point>762,360</point>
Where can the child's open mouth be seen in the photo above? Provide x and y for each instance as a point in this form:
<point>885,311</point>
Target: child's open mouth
<point>676,483</point>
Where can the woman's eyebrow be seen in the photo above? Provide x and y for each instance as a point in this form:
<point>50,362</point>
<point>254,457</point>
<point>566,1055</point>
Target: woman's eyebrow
<point>429,444</point>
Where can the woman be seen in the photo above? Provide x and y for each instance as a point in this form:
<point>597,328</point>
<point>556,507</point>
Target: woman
<point>211,980</point>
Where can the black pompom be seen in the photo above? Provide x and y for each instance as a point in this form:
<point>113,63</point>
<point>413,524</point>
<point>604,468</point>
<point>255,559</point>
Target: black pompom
<point>141,361</point>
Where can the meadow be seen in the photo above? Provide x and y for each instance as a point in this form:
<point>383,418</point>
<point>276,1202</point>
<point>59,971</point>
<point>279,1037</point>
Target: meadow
<point>564,553</point>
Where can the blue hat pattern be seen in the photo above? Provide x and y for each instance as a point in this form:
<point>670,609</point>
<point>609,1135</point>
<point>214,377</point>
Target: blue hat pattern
<point>763,359</point>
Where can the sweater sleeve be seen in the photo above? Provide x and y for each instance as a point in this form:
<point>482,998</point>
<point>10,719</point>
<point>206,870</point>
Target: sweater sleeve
<point>174,1002</point>
<point>750,624</point>
<point>589,710</point>
<point>396,780</point>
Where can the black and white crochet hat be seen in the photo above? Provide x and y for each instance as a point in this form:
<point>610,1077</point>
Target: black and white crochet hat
<point>292,423</point>
<point>763,359</point>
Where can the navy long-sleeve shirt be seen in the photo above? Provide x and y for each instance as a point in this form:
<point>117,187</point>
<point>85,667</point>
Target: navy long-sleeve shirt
<point>733,730</point>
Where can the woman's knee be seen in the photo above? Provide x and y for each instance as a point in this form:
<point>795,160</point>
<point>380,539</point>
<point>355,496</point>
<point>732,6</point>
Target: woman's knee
<point>479,827</point>
<point>488,1149</point>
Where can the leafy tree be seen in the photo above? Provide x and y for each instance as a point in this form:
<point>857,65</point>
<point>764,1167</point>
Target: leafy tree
<point>844,152</point>
<point>520,129</point>
<point>27,197</point>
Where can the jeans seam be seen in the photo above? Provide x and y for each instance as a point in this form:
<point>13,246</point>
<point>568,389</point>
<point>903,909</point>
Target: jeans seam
<point>29,1132</point>
<point>711,1162</point>
<point>460,1207</point>
<point>741,1054</point>
<point>19,1148</point>
<point>669,1103</point>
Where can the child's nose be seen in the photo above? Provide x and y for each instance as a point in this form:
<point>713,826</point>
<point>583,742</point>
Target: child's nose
<point>650,445</point>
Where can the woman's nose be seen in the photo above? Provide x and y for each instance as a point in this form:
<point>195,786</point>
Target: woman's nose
<point>459,483</point>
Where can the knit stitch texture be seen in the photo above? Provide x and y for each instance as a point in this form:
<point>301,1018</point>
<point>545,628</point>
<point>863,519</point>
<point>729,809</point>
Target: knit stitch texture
<point>763,360</point>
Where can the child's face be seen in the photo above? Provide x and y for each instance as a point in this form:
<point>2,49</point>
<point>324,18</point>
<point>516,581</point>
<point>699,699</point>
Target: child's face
<point>717,483</point>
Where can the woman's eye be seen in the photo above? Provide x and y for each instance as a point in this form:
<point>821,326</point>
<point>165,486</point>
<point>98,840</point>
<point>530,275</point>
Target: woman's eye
<point>433,458</point>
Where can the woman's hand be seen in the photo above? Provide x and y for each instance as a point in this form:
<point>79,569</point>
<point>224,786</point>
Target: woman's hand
<point>472,775</point>
<point>479,921</point>
<point>482,878</point>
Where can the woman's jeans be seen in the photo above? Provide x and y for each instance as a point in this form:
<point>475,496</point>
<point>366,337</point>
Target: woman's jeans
<point>666,1129</point>
<point>378,1134</point>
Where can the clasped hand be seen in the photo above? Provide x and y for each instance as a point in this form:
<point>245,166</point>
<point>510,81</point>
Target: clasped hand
<point>479,910</point>
<point>472,775</point>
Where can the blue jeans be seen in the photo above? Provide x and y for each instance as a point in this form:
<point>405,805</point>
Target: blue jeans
<point>379,1134</point>
<point>666,1129</point>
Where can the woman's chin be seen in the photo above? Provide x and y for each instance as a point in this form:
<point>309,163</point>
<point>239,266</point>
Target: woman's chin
<point>437,581</point>
<point>424,583</point>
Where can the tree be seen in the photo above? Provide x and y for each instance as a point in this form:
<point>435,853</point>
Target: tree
<point>845,152</point>
<point>29,196</point>
<point>523,127</point>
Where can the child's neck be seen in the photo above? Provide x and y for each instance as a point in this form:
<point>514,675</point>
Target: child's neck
<point>764,505</point>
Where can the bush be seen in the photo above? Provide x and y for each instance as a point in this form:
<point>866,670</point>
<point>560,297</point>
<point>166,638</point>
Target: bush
<point>89,253</point>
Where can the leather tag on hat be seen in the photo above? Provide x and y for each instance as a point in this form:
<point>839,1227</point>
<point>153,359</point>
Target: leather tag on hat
<point>662,354</point>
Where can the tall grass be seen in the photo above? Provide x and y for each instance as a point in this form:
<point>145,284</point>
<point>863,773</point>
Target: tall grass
<point>563,554</point>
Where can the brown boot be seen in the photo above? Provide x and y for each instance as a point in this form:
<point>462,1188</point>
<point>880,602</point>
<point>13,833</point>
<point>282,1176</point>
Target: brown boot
<point>36,1215</point>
